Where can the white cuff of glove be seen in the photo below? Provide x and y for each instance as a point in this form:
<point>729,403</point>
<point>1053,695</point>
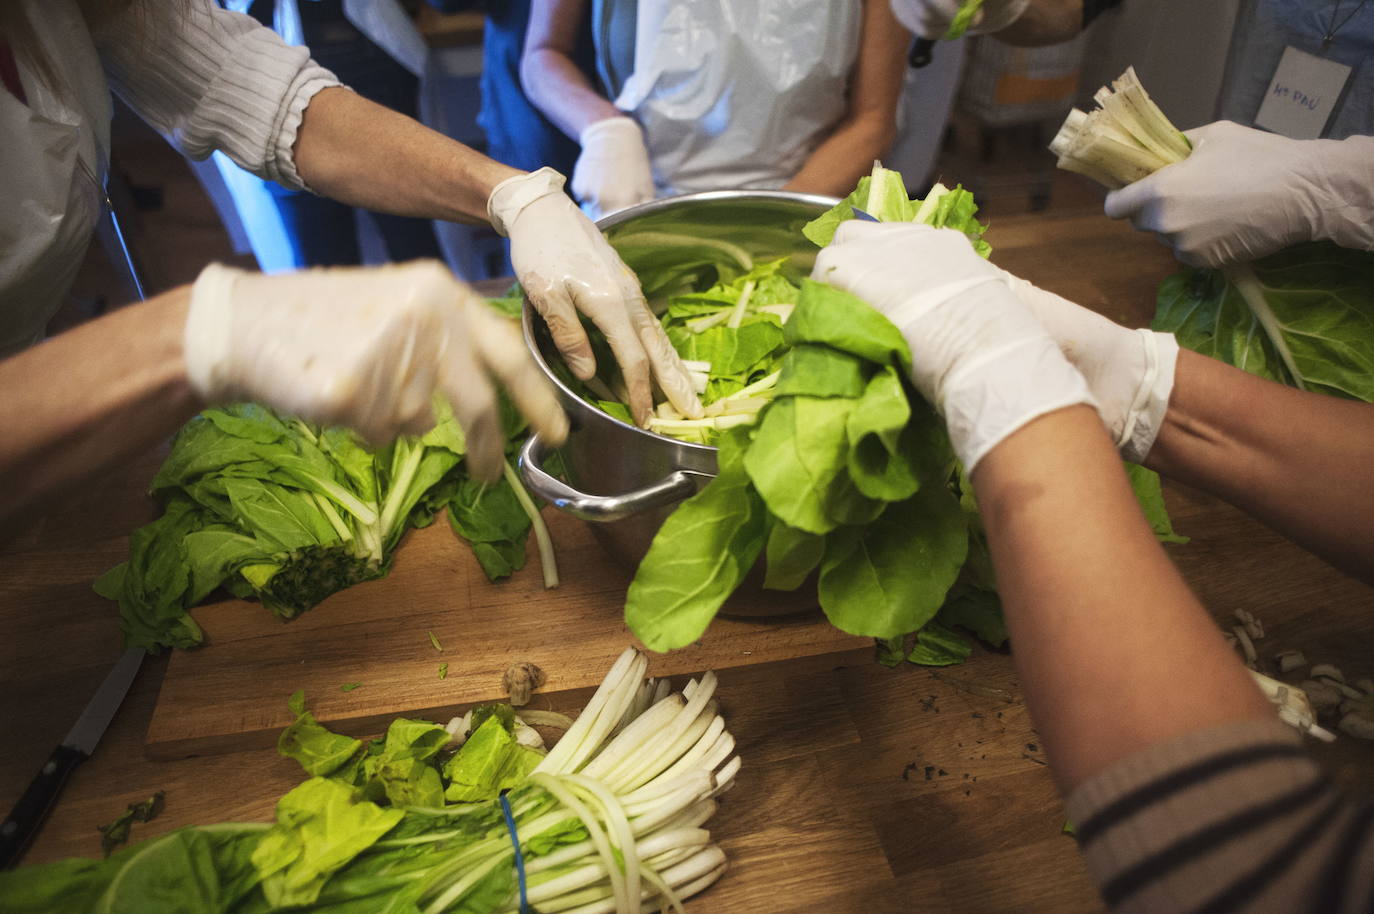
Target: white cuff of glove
<point>987,400</point>
<point>208,329</point>
<point>509,198</point>
<point>1146,413</point>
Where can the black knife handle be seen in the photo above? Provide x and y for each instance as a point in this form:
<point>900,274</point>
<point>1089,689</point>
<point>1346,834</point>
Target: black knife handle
<point>921,49</point>
<point>28,814</point>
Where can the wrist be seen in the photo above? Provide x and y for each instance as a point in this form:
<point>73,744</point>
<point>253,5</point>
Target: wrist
<point>1345,206</point>
<point>208,330</point>
<point>509,198</point>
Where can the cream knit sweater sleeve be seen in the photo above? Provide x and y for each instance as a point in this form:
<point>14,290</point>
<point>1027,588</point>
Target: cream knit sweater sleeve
<point>207,79</point>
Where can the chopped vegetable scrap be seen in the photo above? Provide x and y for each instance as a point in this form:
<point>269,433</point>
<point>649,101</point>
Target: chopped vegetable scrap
<point>117,832</point>
<point>443,671</point>
<point>434,640</point>
<point>610,819</point>
<point>349,686</point>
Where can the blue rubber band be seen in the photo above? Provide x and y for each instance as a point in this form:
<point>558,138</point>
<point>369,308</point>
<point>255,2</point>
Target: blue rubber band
<point>519,857</point>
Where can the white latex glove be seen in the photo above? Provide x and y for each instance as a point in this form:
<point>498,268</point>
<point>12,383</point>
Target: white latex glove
<point>612,171</point>
<point>366,348</point>
<point>977,352</point>
<point>931,18</point>
<point>1130,372</point>
<point>565,265</point>
<point>1245,193</point>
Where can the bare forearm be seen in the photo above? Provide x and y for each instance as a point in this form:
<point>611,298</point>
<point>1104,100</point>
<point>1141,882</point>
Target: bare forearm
<point>366,155</point>
<point>548,75</point>
<point>845,157</point>
<point>89,399</point>
<point>1045,22</point>
<point>1301,462</point>
<point>1114,651</point>
<point>559,89</point>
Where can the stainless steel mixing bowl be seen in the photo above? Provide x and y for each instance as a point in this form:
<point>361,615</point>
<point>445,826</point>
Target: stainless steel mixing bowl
<point>622,479</point>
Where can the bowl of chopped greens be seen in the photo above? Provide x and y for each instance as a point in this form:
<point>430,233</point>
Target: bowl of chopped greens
<point>722,270</point>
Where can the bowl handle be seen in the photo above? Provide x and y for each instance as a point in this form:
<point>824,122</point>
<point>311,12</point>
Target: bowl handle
<point>674,487</point>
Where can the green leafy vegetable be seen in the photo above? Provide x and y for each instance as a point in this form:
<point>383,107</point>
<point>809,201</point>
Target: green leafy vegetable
<point>610,818</point>
<point>349,686</point>
<point>434,641</point>
<point>963,19</point>
<point>843,471</point>
<point>1319,304</point>
<point>443,671</point>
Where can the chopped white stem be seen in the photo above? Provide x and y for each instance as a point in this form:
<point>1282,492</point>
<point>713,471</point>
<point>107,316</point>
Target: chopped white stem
<point>767,382</point>
<point>1242,276</point>
<point>548,562</point>
<point>699,381</point>
<point>783,311</point>
<point>538,718</point>
<point>665,410</point>
<point>927,207</point>
<point>741,305</point>
<point>706,322</point>
<point>696,365</point>
<point>720,423</point>
<point>746,407</point>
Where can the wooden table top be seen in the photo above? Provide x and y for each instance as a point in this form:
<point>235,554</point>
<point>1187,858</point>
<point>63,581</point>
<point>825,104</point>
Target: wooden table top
<point>863,788</point>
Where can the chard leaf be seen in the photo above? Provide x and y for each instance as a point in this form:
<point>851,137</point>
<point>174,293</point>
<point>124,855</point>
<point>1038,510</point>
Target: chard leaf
<point>819,371</point>
<point>731,351</point>
<point>699,556</point>
<point>792,555</point>
<point>878,463</point>
<point>403,769</point>
<point>1322,300</point>
<point>963,19</point>
<point>891,577</point>
<point>319,751</point>
<point>978,611</point>
<point>827,316</point>
<point>937,645</point>
<point>117,832</point>
<point>321,827</point>
<point>1149,493</point>
<point>489,762</point>
<point>489,517</point>
<point>797,460</point>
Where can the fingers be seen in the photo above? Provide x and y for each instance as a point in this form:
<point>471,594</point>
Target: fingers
<point>664,361</point>
<point>475,407</point>
<point>1129,200</point>
<point>634,368</point>
<point>551,298</point>
<point>501,351</point>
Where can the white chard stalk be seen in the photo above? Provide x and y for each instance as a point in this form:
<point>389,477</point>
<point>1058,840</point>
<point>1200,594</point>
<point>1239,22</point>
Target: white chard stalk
<point>1127,138</point>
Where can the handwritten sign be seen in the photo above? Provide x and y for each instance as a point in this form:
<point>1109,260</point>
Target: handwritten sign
<point>1302,95</point>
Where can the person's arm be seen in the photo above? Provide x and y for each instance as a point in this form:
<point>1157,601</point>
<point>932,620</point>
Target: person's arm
<point>551,79</point>
<point>1115,653</point>
<point>89,399</point>
<point>1046,22</point>
<point>870,121</point>
<point>1301,462</point>
<point>363,154</point>
<point>361,347</point>
<point>1298,461</point>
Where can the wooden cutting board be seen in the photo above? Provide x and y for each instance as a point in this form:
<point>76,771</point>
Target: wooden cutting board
<point>231,693</point>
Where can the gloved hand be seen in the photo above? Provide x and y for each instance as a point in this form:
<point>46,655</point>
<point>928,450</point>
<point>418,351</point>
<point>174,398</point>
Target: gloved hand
<point>978,354</point>
<point>565,265</point>
<point>931,18</point>
<point>366,348</point>
<point>1129,372</point>
<point>612,172</point>
<point>1245,193</point>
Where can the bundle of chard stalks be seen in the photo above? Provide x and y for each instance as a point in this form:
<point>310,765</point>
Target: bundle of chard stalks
<point>609,820</point>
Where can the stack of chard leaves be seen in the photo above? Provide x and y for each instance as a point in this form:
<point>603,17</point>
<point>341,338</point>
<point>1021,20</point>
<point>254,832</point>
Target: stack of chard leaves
<point>846,473</point>
<point>607,820</point>
<point>287,512</point>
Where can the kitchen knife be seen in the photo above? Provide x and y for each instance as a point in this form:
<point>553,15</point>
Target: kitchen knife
<point>921,50</point>
<point>24,821</point>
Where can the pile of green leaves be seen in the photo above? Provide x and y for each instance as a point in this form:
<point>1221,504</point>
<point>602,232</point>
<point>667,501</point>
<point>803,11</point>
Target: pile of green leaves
<point>1303,317</point>
<point>407,823</point>
<point>288,512</point>
<point>847,475</point>
<point>372,829</point>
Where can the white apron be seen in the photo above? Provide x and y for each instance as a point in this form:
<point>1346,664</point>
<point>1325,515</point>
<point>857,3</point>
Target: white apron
<point>738,95</point>
<point>54,155</point>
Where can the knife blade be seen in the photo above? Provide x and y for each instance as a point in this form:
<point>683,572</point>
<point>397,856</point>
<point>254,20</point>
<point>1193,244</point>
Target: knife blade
<point>24,821</point>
